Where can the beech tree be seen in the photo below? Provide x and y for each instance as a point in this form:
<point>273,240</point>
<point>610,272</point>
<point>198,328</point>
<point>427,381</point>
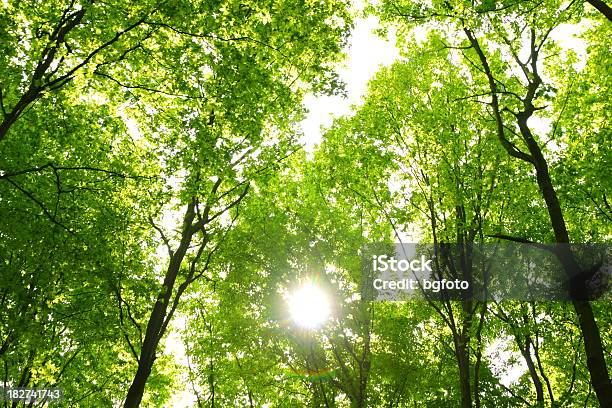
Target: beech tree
<point>158,213</point>
<point>184,94</point>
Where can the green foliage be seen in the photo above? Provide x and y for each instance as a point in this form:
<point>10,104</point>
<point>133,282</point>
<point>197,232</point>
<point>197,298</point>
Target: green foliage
<point>149,161</point>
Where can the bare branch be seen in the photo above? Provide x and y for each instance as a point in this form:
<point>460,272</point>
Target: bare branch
<point>163,237</point>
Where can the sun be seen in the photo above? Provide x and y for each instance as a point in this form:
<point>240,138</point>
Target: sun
<point>309,306</point>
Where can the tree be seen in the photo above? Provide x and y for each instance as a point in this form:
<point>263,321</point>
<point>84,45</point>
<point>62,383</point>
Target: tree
<point>197,95</point>
<point>154,197</point>
<point>513,101</point>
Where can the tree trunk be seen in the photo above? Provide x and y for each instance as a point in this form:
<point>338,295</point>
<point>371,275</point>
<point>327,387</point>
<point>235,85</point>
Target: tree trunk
<point>596,362</point>
<point>600,379</point>
<point>155,326</point>
<point>463,361</point>
<point>535,378</point>
<point>147,357</point>
<point>602,7</point>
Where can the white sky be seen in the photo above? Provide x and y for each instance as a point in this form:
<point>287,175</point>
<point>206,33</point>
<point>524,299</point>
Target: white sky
<point>365,53</point>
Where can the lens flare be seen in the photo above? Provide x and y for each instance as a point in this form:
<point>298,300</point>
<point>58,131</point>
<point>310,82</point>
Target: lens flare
<point>309,306</point>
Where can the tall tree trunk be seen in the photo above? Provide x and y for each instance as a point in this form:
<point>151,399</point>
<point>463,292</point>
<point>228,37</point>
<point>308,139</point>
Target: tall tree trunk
<point>535,378</point>
<point>147,358</point>
<point>463,362</point>
<point>478,353</point>
<point>156,324</point>
<point>596,363</point>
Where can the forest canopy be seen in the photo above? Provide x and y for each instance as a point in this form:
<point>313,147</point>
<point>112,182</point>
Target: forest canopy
<point>166,239</point>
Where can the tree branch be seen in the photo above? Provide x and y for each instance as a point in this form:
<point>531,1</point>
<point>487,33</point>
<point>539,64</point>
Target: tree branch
<point>602,7</point>
<point>41,205</point>
<point>522,241</point>
<point>510,148</point>
<point>163,237</point>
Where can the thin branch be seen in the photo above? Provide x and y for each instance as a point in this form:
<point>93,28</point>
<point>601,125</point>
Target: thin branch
<point>489,93</point>
<point>509,147</point>
<point>213,37</point>
<point>163,237</point>
<point>6,175</point>
<point>522,241</point>
<point>41,205</point>
<point>145,88</point>
<point>232,204</point>
<point>56,83</point>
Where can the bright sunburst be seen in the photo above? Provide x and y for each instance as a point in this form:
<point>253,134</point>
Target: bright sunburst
<point>309,306</point>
